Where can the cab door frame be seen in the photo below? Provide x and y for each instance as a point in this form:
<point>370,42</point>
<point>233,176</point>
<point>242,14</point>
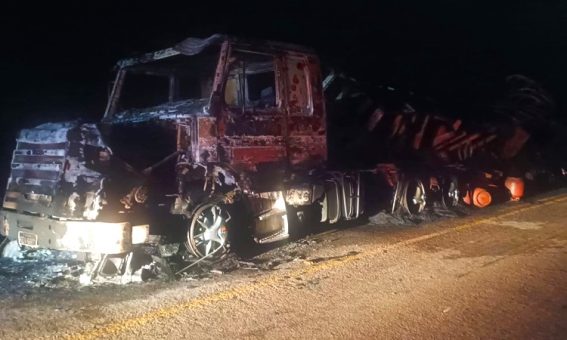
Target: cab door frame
<point>249,135</point>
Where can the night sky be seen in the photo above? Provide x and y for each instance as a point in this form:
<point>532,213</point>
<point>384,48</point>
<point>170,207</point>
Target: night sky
<point>56,60</point>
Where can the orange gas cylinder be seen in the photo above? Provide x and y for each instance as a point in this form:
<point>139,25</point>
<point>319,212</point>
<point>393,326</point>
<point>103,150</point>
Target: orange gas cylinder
<point>516,187</point>
<point>481,197</point>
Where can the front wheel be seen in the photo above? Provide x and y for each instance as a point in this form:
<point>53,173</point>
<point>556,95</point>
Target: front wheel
<point>208,231</point>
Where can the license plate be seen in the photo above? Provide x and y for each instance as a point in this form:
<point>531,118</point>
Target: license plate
<point>27,239</point>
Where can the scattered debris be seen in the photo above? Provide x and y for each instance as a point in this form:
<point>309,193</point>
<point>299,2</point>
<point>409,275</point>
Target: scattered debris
<point>167,250</point>
<point>11,249</point>
<point>24,270</point>
<point>436,212</point>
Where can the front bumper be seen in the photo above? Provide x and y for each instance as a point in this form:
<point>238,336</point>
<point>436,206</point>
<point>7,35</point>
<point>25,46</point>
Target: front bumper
<point>80,236</point>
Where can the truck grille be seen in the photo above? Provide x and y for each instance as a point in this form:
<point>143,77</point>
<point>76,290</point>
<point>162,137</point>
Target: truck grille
<point>37,165</point>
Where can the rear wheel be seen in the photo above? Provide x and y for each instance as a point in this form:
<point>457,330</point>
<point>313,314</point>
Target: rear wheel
<point>208,231</point>
<point>412,196</point>
<point>450,195</point>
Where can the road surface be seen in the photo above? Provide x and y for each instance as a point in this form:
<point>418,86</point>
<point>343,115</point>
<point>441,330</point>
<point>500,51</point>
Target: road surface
<point>499,274</point>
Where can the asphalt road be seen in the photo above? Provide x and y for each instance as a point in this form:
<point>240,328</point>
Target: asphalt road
<point>496,275</point>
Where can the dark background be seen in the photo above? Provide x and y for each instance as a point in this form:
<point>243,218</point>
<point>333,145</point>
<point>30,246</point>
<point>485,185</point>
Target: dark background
<point>56,60</point>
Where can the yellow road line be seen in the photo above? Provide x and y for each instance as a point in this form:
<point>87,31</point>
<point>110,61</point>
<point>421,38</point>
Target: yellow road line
<point>118,327</point>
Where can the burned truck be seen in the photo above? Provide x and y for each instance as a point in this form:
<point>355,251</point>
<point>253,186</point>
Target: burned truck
<point>224,136</point>
<point>195,139</point>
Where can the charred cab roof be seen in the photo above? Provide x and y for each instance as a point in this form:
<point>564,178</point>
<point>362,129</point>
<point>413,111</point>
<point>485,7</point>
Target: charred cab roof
<point>192,46</point>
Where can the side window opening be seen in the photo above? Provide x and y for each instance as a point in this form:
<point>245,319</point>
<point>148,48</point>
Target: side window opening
<point>251,82</point>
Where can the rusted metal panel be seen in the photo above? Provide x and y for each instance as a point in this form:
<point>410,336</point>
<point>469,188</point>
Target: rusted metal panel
<point>305,125</point>
<point>207,127</point>
<point>256,155</point>
<point>244,125</point>
<point>298,90</point>
<point>206,140</point>
<point>316,88</point>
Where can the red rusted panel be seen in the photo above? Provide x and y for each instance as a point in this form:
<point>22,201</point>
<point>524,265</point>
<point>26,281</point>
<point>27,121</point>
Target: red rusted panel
<point>255,155</point>
<point>305,126</point>
<point>299,99</point>
<point>317,95</point>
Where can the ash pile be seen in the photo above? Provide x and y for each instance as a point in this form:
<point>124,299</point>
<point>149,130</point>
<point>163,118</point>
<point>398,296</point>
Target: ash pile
<point>25,270</point>
<point>22,270</point>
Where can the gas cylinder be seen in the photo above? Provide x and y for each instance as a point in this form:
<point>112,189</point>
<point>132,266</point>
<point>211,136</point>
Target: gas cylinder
<point>516,187</point>
<point>481,197</point>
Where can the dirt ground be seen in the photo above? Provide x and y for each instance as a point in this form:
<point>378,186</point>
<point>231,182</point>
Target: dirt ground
<point>499,273</point>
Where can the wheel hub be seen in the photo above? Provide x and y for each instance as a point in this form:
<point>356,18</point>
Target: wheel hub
<point>208,232</point>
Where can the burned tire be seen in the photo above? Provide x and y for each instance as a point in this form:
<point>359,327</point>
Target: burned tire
<point>450,193</point>
<point>207,235</point>
<point>412,196</point>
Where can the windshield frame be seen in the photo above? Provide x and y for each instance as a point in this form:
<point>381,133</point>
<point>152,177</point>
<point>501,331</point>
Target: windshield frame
<point>112,107</point>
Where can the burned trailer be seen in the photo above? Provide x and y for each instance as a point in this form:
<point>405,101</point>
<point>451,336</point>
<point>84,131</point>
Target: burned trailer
<point>202,140</point>
<point>427,157</point>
